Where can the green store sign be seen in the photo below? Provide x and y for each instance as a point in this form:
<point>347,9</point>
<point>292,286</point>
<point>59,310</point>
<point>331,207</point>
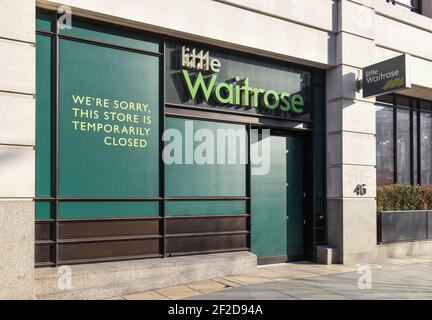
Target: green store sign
<point>200,76</point>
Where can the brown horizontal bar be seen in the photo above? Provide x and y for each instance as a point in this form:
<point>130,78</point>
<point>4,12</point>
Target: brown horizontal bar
<point>45,242</point>
<point>108,249</point>
<point>44,231</point>
<point>209,216</point>
<point>108,228</point>
<point>208,252</point>
<point>106,239</point>
<point>204,225</point>
<point>84,261</point>
<point>200,243</point>
<point>44,264</point>
<point>44,253</point>
<point>205,234</point>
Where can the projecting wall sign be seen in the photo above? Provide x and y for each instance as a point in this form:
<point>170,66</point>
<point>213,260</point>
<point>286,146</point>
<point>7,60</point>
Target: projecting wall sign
<point>387,76</point>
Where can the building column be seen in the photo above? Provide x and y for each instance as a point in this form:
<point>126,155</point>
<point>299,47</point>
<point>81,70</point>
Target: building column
<point>17,142</point>
<point>351,138</point>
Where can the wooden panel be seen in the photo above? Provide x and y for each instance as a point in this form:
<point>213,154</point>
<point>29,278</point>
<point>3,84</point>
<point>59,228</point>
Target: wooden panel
<point>107,228</point>
<point>205,224</point>
<point>44,231</point>
<point>108,249</point>
<point>44,253</point>
<point>197,244</point>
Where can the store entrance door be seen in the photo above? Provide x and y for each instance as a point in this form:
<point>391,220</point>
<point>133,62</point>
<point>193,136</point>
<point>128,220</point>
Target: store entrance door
<point>277,219</point>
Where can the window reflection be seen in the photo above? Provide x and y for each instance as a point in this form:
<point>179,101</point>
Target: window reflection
<point>413,140</point>
<point>415,148</point>
<point>403,146</point>
<point>426,147</point>
<point>384,143</point>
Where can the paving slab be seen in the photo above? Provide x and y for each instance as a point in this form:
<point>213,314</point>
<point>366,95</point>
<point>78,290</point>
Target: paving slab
<point>178,292</point>
<point>227,282</point>
<point>252,292</point>
<point>247,279</point>
<point>406,278</point>
<point>148,295</point>
<point>402,278</point>
<point>207,286</point>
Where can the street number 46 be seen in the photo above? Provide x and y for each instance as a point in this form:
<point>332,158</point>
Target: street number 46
<point>360,189</point>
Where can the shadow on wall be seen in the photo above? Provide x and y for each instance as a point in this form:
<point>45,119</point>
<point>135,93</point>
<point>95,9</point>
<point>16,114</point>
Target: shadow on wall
<point>331,38</point>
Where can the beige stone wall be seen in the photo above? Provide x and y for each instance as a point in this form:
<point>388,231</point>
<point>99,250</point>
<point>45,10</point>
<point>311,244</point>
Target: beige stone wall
<point>351,137</point>
<point>17,140</point>
<point>270,29</point>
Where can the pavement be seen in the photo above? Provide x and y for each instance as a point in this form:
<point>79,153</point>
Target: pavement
<point>402,278</point>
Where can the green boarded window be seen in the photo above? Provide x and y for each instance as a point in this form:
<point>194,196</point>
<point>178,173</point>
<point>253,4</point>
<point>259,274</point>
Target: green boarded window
<point>191,179</point>
<point>44,113</point>
<point>208,207</point>
<point>109,122</point>
<point>114,36</point>
<point>44,210</point>
<point>45,21</point>
<point>107,209</point>
<point>108,111</point>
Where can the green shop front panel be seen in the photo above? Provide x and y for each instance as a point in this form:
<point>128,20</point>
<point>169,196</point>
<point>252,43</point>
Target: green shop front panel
<point>211,215</point>
<point>105,206</point>
<point>109,122</point>
<point>277,202</point>
<point>105,34</point>
<point>188,176</point>
<point>44,115</point>
<point>103,192</point>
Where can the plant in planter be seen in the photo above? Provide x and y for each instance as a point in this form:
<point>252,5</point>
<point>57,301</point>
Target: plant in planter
<point>425,198</point>
<point>402,212</point>
<point>398,197</point>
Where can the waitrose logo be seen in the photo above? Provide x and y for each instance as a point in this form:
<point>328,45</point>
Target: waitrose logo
<point>386,76</point>
<point>237,91</point>
<point>393,79</point>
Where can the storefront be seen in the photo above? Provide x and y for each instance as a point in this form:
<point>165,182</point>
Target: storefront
<point>178,144</point>
<point>150,146</point>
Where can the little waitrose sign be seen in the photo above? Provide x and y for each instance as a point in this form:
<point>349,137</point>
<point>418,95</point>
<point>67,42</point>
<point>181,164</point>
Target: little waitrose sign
<point>200,75</point>
<point>387,76</point>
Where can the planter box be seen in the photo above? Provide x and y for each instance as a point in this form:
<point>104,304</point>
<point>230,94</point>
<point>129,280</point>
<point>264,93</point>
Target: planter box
<point>429,227</point>
<point>396,226</point>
